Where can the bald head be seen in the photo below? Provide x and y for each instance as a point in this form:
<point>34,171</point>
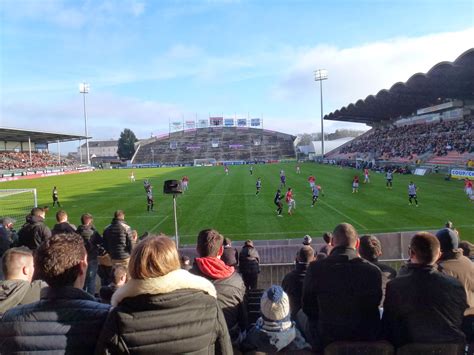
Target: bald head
<point>17,264</point>
<point>344,235</point>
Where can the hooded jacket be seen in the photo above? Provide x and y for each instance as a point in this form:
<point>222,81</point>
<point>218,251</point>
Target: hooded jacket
<point>230,292</point>
<point>118,239</point>
<point>249,260</point>
<point>92,241</point>
<point>424,306</point>
<point>33,232</point>
<point>172,314</point>
<point>18,292</point>
<point>63,227</point>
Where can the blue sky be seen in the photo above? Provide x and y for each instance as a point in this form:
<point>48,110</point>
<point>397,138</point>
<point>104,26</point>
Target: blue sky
<point>151,61</point>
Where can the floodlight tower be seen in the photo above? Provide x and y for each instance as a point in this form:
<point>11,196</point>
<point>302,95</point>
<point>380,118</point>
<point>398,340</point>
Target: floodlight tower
<point>84,89</point>
<point>320,75</point>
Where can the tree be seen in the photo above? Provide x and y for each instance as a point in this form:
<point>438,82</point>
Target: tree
<point>126,144</point>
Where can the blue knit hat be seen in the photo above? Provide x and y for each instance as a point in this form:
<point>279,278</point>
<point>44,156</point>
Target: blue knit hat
<point>274,304</point>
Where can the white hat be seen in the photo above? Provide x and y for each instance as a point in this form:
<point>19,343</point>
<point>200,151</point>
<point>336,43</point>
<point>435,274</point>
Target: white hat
<point>274,304</point>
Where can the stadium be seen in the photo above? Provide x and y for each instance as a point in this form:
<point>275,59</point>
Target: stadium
<point>421,131</point>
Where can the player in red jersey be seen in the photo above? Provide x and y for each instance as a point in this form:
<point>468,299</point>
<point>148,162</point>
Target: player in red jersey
<point>355,184</point>
<point>468,188</point>
<point>184,183</point>
<point>290,201</point>
<point>312,181</point>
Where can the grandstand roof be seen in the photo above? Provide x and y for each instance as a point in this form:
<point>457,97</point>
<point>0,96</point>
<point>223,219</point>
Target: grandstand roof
<point>22,135</point>
<point>445,80</point>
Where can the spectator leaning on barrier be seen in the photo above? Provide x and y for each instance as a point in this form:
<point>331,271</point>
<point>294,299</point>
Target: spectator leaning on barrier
<point>326,249</point>
<point>163,309</point>
<point>452,262</point>
<point>293,281</point>
<point>17,288</point>
<point>424,306</point>
<point>63,225</point>
<point>66,319</point>
<point>228,283</point>
<point>34,231</point>
<point>341,294</point>
<point>118,239</point>
<point>230,255</point>
<point>249,265</point>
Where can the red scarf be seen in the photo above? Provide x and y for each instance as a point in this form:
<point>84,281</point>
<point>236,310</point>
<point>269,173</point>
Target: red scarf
<point>214,267</point>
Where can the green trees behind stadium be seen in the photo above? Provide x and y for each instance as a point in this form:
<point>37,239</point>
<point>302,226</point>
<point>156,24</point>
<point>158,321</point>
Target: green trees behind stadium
<point>126,144</point>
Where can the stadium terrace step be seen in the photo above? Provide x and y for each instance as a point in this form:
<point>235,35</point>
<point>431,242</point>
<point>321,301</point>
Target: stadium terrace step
<point>452,158</point>
<point>431,349</point>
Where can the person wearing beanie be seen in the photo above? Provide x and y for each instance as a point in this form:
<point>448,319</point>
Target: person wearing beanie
<point>453,263</point>
<point>307,240</point>
<point>293,281</point>
<point>274,331</point>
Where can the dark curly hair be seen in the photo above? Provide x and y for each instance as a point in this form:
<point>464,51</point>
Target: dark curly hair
<point>57,260</point>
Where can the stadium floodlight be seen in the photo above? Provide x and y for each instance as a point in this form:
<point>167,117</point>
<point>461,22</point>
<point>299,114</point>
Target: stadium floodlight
<point>84,89</point>
<point>320,75</point>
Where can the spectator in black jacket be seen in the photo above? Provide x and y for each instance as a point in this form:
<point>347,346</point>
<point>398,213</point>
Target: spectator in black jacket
<point>7,237</point>
<point>66,319</point>
<point>63,225</point>
<point>230,255</point>
<point>370,249</point>
<point>34,231</point>
<point>17,288</point>
<point>326,249</point>
<point>228,283</point>
<point>292,283</point>
<point>94,247</point>
<point>249,265</point>
<point>341,294</point>
<point>424,305</point>
<point>164,309</point>
<point>118,239</point>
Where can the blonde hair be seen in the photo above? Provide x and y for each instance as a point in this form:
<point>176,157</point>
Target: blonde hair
<point>154,256</point>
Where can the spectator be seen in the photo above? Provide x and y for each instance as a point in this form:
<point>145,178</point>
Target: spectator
<point>292,283</point>
<point>163,309</point>
<point>453,263</point>
<point>249,265</point>
<point>118,239</point>
<point>424,306</point>
<point>274,331</point>
<point>307,240</point>
<point>230,256</point>
<point>228,283</point>
<point>34,231</point>
<point>467,249</point>
<point>320,256</point>
<point>94,247</point>
<point>7,237</point>
<point>326,249</point>
<point>185,262</point>
<point>370,249</point>
<point>66,319</point>
<point>17,289</point>
<point>119,278</point>
<point>341,294</point>
<point>63,226</point>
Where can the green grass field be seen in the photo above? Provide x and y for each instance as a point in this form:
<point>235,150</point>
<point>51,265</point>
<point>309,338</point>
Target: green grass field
<point>228,203</point>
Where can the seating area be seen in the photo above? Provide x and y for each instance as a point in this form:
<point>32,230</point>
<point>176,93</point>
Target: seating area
<point>404,144</point>
<point>222,144</point>
<point>21,160</point>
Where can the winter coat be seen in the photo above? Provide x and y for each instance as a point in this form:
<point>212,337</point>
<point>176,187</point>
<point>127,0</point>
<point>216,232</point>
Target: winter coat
<point>173,314</point>
<point>118,239</point>
<point>455,264</point>
<point>7,237</point>
<point>341,295</point>
<point>33,232</point>
<point>230,256</point>
<point>231,299</point>
<point>292,284</point>
<point>424,306</point>
<point>63,227</point>
<point>18,292</point>
<point>65,320</point>
<point>92,241</point>
<point>249,260</point>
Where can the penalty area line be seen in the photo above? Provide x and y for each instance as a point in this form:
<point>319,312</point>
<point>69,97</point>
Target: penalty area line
<point>344,215</point>
<point>158,224</point>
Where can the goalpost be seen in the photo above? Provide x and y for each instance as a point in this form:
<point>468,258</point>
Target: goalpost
<point>17,203</point>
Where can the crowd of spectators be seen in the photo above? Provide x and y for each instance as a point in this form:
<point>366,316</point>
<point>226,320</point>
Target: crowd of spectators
<point>413,140</point>
<point>151,300</point>
<point>21,160</point>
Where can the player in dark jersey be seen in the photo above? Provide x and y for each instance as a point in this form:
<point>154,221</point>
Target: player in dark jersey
<point>315,190</point>
<point>55,197</point>
<point>149,200</point>
<point>146,185</point>
<point>277,201</point>
<point>412,194</point>
<point>258,185</point>
<point>389,178</point>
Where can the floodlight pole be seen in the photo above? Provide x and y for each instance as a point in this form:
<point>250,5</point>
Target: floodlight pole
<point>320,75</point>
<point>84,89</point>
<point>176,238</point>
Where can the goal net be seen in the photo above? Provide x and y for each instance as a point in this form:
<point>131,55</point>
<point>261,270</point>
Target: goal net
<point>205,162</point>
<point>17,203</point>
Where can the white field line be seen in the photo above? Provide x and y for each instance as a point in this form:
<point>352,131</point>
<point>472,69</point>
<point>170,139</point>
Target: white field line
<point>344,215</point>
<point>158,224</point>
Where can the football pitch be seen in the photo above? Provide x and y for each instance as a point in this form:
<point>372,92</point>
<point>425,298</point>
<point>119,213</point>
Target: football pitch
<point>229,204</point>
